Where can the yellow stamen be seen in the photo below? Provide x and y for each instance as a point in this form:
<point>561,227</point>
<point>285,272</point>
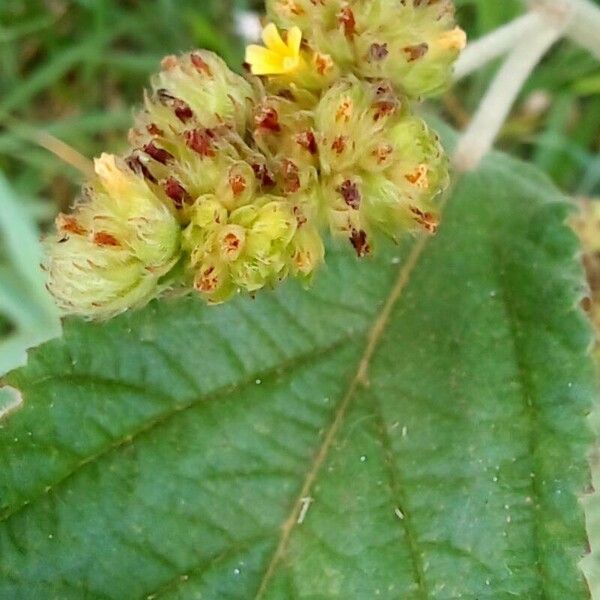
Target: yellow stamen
<point>277,57</point>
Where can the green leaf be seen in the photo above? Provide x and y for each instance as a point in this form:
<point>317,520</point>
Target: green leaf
<point>591,564</point>
<point>414,426</point>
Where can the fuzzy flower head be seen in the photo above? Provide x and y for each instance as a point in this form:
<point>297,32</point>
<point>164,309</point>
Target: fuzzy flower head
<point>381,168</point>
<point>113,251</point>
<point>230,182</point>
<point>197,89</point>
<point>352,121</point>
<point>411,43</point>
<point>195,162</point>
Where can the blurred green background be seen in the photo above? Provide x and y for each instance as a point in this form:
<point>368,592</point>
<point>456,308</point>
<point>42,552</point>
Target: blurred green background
<point>76,68</point>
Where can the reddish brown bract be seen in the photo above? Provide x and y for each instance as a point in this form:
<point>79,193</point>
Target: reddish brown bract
<point>268,118</point>
<point>200,64</point>
<point>308,141</point>
<point>351,194</point>
<point>69,224</point>
<point>377,52</point>
<point>158,154</point>
<point>176,192</point>
<point>359,242</point>
<point>348,21</point>
<point>291,176</point>
<point>415,52</point>
<point>102,238</point>
<point>427,220</point>
<point>237,183</point>
<point>201,142</point>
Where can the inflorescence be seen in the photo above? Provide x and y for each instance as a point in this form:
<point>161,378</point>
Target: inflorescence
<point>230,181</point>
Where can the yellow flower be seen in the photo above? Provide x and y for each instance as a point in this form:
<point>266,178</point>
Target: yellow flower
<point>279,57</point>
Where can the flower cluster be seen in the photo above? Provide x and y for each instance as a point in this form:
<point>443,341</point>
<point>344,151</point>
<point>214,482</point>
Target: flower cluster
<point>230,181</point>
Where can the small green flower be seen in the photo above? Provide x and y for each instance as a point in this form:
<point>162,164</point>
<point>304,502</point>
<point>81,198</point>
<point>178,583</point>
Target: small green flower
<point>243,250</point>
<point>306,252</point>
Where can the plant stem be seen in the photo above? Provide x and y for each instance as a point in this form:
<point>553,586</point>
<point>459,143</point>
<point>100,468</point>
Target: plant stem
<point>584,20</point>
<point>584,28</point>
<point>501,95</point>
<point>497,43</point>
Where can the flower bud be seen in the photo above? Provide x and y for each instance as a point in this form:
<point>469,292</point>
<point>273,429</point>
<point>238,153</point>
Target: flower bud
<point>197,90</point>
<point>404,197</point>
<point>242,250</point>
<point>112,252</point>
<point>413,44</point>
<point>93,281</point>
<point>125,208</point>
<point>420,165</point>
<point>352,120</point>
<point>381,168</point>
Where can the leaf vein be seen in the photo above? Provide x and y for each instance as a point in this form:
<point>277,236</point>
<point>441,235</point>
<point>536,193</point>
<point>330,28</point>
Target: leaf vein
<point>164,418</point>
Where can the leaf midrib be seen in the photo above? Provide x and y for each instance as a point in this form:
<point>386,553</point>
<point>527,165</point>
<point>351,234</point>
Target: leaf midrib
<point>360,379</point>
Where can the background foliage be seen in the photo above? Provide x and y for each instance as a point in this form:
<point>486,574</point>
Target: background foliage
<point>75,68</point>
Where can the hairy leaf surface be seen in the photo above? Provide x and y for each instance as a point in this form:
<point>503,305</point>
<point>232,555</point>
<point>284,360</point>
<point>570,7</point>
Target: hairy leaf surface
<point>412,427</point>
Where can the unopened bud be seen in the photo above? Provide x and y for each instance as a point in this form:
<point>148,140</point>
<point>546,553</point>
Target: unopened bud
<point>198,89</point>
<point>112,252</point>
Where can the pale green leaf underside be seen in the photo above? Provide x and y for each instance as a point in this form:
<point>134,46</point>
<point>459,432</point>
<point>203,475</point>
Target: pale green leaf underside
<point>171,453</point>
<point>28,316</point>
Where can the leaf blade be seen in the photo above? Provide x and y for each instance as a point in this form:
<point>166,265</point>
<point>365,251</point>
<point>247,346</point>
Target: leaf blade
<point>220,416</point>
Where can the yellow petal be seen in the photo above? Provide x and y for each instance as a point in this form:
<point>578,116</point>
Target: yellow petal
<point>257,54</point>
<point>272,39</point>
<point>263,61</point>
<point>278,57</point>
<point>290,63</point>
<point>294,40</point>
